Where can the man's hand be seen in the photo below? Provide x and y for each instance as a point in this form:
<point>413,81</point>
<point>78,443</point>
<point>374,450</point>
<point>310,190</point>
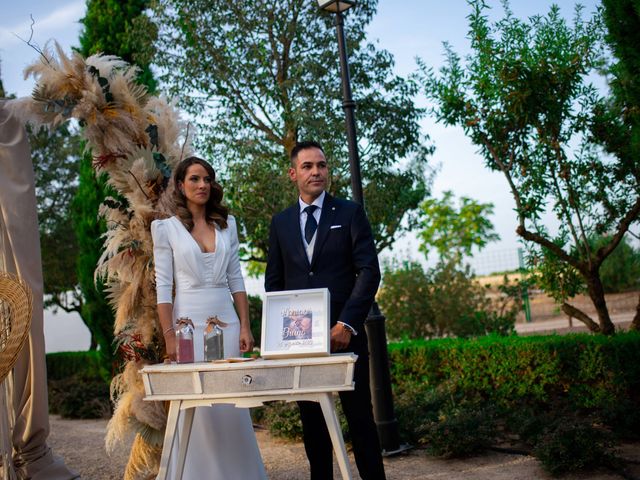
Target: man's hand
<point>340,337</point>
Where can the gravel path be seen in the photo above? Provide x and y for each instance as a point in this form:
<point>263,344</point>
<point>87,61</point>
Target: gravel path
<point>81,444</point>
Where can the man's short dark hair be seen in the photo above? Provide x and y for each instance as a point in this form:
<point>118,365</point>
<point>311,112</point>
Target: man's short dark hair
<point>303,146</point>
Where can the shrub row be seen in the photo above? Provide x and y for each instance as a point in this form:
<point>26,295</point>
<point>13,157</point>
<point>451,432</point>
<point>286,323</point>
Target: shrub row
<point>583,371</point>
<point>565,399</point>
<point>61,365</point>
<point>78,385</point>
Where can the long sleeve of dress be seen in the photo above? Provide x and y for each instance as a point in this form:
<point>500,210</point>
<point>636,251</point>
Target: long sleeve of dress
<point>163,259</point>
<point>234,273</point>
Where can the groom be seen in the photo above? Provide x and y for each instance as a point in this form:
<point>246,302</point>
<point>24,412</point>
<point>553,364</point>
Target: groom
<point>322,241</point>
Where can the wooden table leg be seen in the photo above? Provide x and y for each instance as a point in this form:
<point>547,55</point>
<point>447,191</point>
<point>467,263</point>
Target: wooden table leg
<point>333,425</point>
<point>185,435</point>
<point>169,437</point>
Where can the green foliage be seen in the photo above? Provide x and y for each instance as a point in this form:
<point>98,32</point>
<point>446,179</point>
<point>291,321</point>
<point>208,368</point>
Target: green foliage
<point>444,300</point>
<point>79,397</point>
<point>61,365</point>
<point>620,272</point>
<point>78,385</point>
<point>560,280</point>
<point>111,27</point>
<point>283,420</point>
<point>523,99</point>
<point>454,232</point>
<point>406,301</point>
<point>566,397</point>
<point>573,446</point>
<point>257,94</point>
<point>583,372</point>
<point>56,165</point>
<point>460,431</point>
<point>255,317</point>
<point>117,27</point>
<point>617,125</point>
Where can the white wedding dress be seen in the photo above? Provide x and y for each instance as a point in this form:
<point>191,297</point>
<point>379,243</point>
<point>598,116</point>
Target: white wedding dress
<point>222,445</point>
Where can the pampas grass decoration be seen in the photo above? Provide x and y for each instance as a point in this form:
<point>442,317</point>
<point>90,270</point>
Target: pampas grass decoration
<point>137,139</point>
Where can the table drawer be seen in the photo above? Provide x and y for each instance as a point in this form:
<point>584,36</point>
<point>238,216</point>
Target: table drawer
<point>202,380</point>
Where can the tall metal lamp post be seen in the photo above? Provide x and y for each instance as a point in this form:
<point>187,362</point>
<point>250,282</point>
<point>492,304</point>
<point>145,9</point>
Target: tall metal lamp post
<point>381,395</point>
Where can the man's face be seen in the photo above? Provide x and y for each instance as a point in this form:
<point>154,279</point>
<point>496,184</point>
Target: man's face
<point>305,323</point>
<point>310,173</point>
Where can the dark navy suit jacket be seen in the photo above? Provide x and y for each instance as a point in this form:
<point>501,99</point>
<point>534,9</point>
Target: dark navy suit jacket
<point>344,259</point>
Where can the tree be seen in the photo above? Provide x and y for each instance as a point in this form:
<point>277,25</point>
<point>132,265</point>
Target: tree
<point>617,126</point>
<point>110,27</point>
<point>454,232</point>
<point>261,76</point>
<point>56,164</point>
<point>523,99</point>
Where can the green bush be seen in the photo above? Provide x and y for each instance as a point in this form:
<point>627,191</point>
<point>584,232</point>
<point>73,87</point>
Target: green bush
<point>405,300</point>
<point>620,272</point>
<point>283,419</point>
<point>255,316</point>
<point>444,300</point>
<point>585,371</point>
<point>461,431</point>
<point>572,445</point>
<point>79,397</point>
<point>416,406</point>
<point>61,365</point>
<point>78,385</point>
<point>457,396</point>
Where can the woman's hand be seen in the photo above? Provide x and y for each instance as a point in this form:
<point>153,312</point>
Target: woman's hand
<point>246,339</point>
<point>170,345</point>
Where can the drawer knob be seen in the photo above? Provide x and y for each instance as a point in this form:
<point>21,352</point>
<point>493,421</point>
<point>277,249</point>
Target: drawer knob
<point>247,379</point>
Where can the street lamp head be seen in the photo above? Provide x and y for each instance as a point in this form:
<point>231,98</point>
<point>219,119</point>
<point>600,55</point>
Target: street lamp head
<point>336,5</point>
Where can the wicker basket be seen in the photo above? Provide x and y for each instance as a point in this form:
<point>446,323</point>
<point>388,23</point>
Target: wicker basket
<point>16,305</point>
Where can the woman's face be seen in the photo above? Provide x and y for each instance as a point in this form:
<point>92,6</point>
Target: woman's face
<point>197,185</point>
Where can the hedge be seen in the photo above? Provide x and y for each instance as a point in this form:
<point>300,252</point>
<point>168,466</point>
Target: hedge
<point>566,399</point>
<point>586,371</point>
<point>62,365</point>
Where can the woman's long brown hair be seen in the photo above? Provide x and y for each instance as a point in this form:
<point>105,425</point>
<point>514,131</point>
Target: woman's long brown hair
<point>214,210</point>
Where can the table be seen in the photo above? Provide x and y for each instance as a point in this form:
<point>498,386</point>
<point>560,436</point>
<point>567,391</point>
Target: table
<point>245,385</point>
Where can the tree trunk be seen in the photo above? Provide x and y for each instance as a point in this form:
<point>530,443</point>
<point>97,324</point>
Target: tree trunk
<point>580,315</point>
<point>635,324</point>
<point>596,293</point>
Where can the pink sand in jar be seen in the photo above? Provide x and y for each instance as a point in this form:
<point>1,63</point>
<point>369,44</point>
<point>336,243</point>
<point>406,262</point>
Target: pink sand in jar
<point>184,350</point>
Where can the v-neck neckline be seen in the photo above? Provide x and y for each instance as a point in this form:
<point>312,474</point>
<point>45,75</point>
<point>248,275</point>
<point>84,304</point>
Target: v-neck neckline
<point>198,246</point>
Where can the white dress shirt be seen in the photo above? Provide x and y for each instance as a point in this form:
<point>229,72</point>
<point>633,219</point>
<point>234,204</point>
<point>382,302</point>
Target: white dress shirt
<point>303,221</point>
<point>310,245</point>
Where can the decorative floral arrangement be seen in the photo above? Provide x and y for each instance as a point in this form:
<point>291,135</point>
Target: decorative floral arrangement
<point>137,139</point>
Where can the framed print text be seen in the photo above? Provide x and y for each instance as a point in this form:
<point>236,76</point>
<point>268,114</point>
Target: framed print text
<point>295,323</point>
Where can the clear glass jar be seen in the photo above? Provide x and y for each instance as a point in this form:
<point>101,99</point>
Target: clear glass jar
<point>214,339</point>
<point>184,340</point>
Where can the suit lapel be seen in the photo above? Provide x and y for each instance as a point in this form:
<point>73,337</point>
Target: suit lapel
<point>326,218</point>
<point>298,245</point>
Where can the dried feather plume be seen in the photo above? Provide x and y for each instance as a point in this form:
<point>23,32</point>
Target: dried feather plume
<point>137,139</point>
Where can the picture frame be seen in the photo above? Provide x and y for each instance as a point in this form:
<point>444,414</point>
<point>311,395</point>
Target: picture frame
<point>296,323</point>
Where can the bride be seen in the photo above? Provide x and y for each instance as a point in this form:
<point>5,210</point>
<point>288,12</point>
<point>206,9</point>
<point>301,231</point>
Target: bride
<point>197,250</point>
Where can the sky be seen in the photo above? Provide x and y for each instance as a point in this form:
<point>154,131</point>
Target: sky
<point>406,28</point>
